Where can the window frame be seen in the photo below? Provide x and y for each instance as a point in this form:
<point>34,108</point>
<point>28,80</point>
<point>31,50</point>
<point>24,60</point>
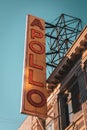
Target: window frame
<point>85,73</point>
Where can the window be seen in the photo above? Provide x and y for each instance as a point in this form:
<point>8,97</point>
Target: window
<point>75,97</point>
<point>70,104</point>
<point>63,111</point>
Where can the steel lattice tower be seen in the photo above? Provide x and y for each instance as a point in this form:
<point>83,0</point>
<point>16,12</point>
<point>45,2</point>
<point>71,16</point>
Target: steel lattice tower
<point>60,35</point>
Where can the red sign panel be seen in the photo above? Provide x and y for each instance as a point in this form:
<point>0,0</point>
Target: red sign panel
<point>34,93</point>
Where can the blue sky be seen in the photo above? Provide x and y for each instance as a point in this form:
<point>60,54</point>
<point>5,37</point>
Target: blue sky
<point>12,38</point>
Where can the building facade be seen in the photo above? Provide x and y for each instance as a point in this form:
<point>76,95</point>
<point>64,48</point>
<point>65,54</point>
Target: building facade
<point>67,103</point>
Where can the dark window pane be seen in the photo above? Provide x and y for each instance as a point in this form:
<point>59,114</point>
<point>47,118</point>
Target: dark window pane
<point>75,98</point>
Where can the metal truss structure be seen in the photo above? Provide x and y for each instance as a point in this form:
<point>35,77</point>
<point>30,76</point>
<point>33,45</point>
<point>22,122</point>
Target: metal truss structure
<point>60,35</point>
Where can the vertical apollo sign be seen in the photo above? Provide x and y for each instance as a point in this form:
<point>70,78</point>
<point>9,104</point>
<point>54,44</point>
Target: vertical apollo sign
<point>34,93</point>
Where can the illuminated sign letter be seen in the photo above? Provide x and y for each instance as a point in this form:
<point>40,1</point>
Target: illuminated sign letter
<point>37,47</point>
<point>32,64</point>
<point>37,94</point>
<point>36,22</point>
<point>36,34</point>
<point>31,81</point>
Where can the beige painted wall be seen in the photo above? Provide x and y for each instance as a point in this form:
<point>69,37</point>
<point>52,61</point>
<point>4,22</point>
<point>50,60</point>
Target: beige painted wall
<point>26,125</point>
